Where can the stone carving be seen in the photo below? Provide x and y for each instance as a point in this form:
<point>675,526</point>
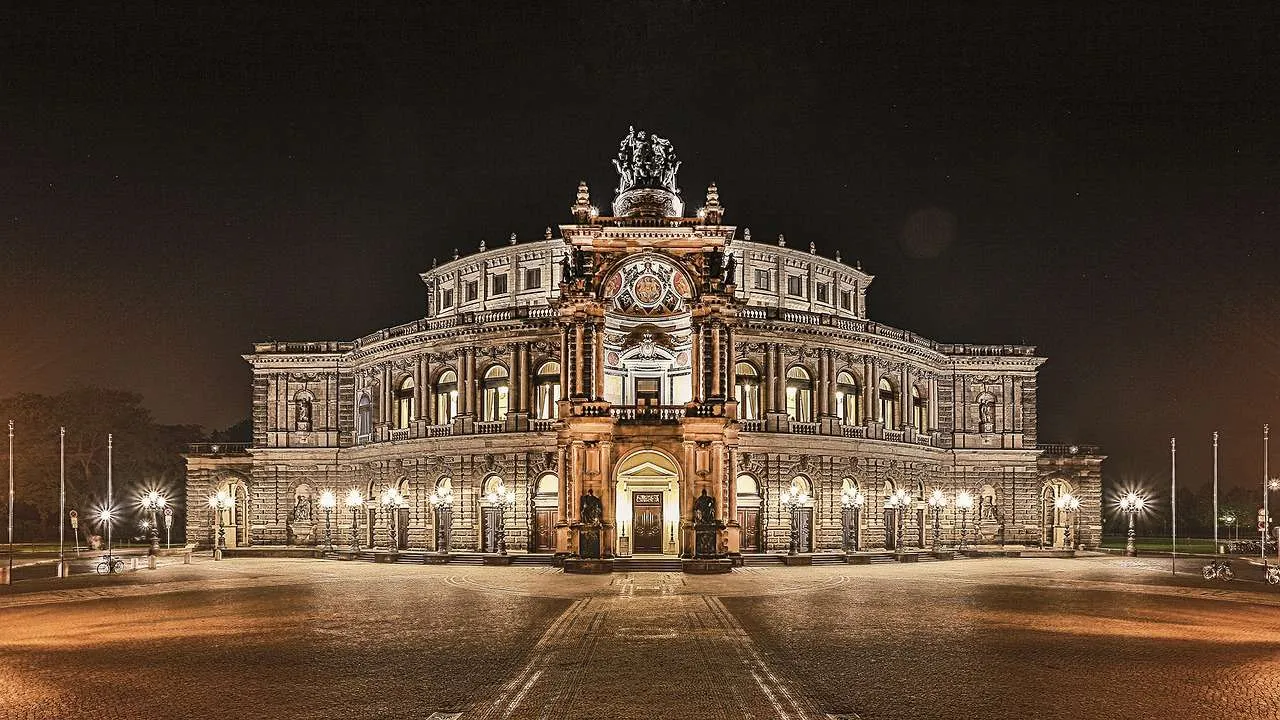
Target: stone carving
<point>646,161</point>
<point>730,269</point>
<point>704,509</point>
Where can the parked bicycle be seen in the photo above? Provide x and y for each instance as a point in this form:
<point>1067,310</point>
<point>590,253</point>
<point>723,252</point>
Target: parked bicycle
<point>1273,575</point>
<point>109,565</point>
<point>1219,570</point>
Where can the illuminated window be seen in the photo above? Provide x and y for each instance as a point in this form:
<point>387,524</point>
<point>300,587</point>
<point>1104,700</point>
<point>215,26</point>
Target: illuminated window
<point>848,399</point>
<point>446,396</point>
<point>747,390</point>
<point>888,404</point>
<point>799,395</point>
<point>364,415</point>
<point>493,400</point>
<point>546,391</point>
<point>500,284</point>
<point>822,292</point>
<point>404,402</point>
<point>919,411</point>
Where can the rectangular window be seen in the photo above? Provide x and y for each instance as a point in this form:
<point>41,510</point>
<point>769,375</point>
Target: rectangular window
<point>446,298</point>
<point>500,284</point>
<point>762,279</point>
<point>533,279</point>
<point>822,290</point>
<point>795,285</point>
<point>473,290</point>
<point>846,299</point>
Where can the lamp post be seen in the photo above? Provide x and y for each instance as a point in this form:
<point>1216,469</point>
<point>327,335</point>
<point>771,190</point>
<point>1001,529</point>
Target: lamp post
<point>964,503</point>
<point>898,503</point>
<point>852,502</point>
<point>1131,504</point>
<point>442,503</point>
<point>168,526</point>
<point>937,501</point>
<point>791,501</point>
<point>1230,520</point>
<point>391,501</point>
<point>354,502</point>
<point>328,501</point>
<point>153,502</point>
<point>220,503</point>
<point>503,499</point>
<point>1069,504</point>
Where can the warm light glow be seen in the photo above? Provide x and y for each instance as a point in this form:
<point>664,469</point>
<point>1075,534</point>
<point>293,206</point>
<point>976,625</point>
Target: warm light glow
<point>964,500</point>
<point>1068,502</point>
<point>937,499</point>
<point>391,498</point>
<point>1132,502</point>
<point>328,500</point>
<point>354,499</point>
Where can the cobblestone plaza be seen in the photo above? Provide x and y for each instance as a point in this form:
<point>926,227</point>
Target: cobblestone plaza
<point>992,638</point>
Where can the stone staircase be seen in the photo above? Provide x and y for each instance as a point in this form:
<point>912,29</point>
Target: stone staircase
<point>654,563</point>
<point>761,560</point>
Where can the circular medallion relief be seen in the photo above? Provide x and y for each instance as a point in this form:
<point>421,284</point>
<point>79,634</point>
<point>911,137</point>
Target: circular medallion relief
<point>647,290</point>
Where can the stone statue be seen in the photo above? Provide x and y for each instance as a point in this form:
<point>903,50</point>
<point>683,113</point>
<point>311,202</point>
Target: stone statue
<point>590,509</point>
<point>986,414</point>
<point>301,510</point>
<point>704,509</point>
<point>646,161</point>
<point>304,415</point>
<point>566,270</point>
<point>730,269</point>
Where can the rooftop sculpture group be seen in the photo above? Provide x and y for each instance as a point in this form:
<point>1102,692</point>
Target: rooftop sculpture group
<point>646,161</point>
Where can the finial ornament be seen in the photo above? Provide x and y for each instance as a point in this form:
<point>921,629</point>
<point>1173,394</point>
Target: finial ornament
<point>837,256</point>
<point>746,234</point>
<point>712,212</point>
<point>433,263</point>
<point>455,253</point>
<point>547,233</point>
<point>582,209</point>
<point>646,161</point>
<point>513,238</point>
<point>813,249</point>
<point>482,246</point>
<point>782,240</point>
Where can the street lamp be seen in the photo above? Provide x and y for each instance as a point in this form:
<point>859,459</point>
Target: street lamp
<point>964,503</point>
<point>791,501</point>
<point>442,503</point>
<point>1069,504</point>
<point>937,501</point>
<point>328,501</point>
<point>168,526</point>
<point>220,503</point>
<point>852,503</point>
<point>1131,504</point>
<point>153,502</point>
<point>898,503</point>
<point>354,502</point>
<point>503,499</point>
<point>391,501</point>
<point>1230,520</point>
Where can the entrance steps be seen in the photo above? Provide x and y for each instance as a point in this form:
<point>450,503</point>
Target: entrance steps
<point>655,563</point>
<point>532,559</point>
<point>761,559</point>
<point>828,559</point>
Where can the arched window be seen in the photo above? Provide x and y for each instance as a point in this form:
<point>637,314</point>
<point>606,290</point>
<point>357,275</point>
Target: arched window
<point>493,399</point>
<point>747,389</point>
<point>919,414</point>
<point>546,391</point>
<point>888,404</point>
<point>404,402</point>
<point>799,395</point>
<point>364,415</point>
<point>446,397</point>
<point>848,399</point>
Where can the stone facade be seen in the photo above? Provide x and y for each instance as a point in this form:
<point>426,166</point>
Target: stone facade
<point>638,362</point>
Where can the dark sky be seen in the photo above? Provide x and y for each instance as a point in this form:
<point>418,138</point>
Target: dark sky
<point>1096,180</point>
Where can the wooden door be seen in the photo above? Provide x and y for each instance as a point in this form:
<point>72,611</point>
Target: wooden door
<point>890,530</point>
<point>371,526</point>
<point>402,528</point>
<point>544,531</point>
<point>749,520</point>
<point>805,522</point>
<point>489,530</point>
<point>646,522</point>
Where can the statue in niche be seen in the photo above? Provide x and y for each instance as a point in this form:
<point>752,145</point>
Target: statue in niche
<point>301,510</point>
<point>986,413</point>
<point>730,269</point>
<point>704,509</point>
<point>590,509</point>
<point>715,263</point>
<point>987,504</point>
<point>303,421</point>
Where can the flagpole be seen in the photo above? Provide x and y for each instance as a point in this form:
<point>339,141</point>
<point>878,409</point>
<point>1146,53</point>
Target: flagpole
<point>1266,456</point>
<point>109,508</point>
<point>1215,492</point>
<point>62,500</point>
<point>1173,499</point>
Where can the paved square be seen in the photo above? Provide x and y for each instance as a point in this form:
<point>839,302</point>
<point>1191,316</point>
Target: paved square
<point>1085,638</point>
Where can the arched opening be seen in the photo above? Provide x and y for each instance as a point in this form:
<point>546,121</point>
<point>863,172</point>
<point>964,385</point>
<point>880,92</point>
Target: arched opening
<point>749,504</point>
<point>799,394</point>
<point>848,399</point>
<point>919,411</point>
<point>234,520</point>
<point>747,390</point>
<point>802,515</point>
<point>546,500</point>
<point>494,394</point>
<point>301,520</point>
<point>441,502</point>
<point>888,400</point>
<point>647,508</point>
<point>364,415</point>
<point>546,391</point>
<point>490,513</point>
<point>1057,514</point>
<point>446,397</point>
<point>404,402</point>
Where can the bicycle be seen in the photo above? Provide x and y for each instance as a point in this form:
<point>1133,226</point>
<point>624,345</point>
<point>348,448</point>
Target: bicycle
<point>1218,569</point>
<point>110,565</point>
<point>1273,575</point>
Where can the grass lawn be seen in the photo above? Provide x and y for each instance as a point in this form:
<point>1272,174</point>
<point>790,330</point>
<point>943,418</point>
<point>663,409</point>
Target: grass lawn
<point>1163,544</point>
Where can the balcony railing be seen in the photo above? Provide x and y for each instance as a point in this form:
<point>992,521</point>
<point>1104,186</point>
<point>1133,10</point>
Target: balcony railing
<point>853,431</point>
<point>805,428</point>
<point>542,425</point>
<point>648,413</point>
<point>490,427</point>
<point>1067,450</point>
<point>401,434</point>
<point>751,425</point>
<point>895,435</point>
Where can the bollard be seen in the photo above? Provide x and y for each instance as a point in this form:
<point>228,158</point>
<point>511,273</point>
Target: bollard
<point>151,562</point>
<point>186,558</point>
<point>64,568</point>
<point>133,563</point>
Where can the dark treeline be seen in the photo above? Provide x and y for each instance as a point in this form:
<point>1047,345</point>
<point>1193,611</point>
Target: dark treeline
<point>1195,512</point>
<point>145,455</point>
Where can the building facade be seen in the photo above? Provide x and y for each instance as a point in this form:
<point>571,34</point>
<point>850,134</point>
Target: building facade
<point>601,391</point>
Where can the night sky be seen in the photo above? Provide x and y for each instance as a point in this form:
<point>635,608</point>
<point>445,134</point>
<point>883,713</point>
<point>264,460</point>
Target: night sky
<point>1098,181</point>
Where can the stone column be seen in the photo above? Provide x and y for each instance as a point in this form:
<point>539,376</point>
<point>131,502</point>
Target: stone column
<point>597,356</point>
<point>695,363</point>
<point>579,331</point>
<point>717,369</point>
<point>904,414</point>
<point>821,385</point>
<point>564,361</point>
<point>419,389</point>
<point>609,501</point>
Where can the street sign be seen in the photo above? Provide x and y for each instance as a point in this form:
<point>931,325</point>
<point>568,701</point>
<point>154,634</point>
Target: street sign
<point>75,519</point>
<point>168,517</point>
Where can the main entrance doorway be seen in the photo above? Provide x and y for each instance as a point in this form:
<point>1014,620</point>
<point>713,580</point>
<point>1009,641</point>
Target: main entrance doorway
<point>646,514</point>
